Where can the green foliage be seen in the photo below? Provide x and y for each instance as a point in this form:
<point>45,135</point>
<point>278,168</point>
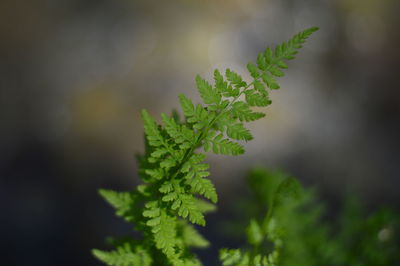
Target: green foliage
<point>369,239</point>
<point>296,233</point>
<point>124,255</point>
<point>175,177</point>
<point>287,226</point>
<point>265,237</point>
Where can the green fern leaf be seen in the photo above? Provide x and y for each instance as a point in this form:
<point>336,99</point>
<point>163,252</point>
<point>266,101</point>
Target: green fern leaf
<point>261,62</point>
<point>254,233</point>
<point>157,173</point>
<point>256,99</point>
<point>150,128</point>
<point>276,71</point>
<point>200,118</point>
<point>193,160</point>
<point>124,255</point>
<point>164,230</point>
<point>170,197</point>
<point>168,163</point>
<point>270,81</point>
<point>289,49</point>
<point>268,55</point>
<point>192,238</point>
<point>235,79</point>
<point>123,202</point>
<point>203,187</point>
<point>187,105</point>
<point>239,132</point>
<point>174,174</point>
<point>159,153</point>
<point>242,111</point>
<point>207,93</point>
<point>205,206</point>
<point>253,70</point>
<point>166,187</point>
<point>224,146</point>
<point>189,208</point>
<point>152,213</point>
<point>270,62</point>
<point>259,86</point>
<point>180,133</point>
<point>122,258</point>
<point>257,260</point>
<point>220,85</point>
<point>288,189</point>
<point>230,256</point>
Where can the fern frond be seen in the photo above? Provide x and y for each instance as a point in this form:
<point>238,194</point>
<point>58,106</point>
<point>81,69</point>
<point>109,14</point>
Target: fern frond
<point>124,255</point>
<point>180,133</point>
<point>194,168</point>
<point>200,118</point>
<point>123,202</point>
<point>117,258</point>
<point>207,92</point>
<point>235,79</point>
<point>163,228</point>
<point>238,132</point>
<point>242,111</point>
<point>187,207</point>
<point>230,256</point>
<point>191,237</point>
<point>270,81</point>
<point>205,206</point>
<point>257,99</point>
<point>187,105</point>
<point>225,146</point>
<point>270,63</point>
<point>234,257</point>
<point>220,84</point>
<point>152,132</point>
<point>254,233</point>
<point>157,173</point>
<point>203,187</point>
<point>168,163</point>
<point>175,190</point>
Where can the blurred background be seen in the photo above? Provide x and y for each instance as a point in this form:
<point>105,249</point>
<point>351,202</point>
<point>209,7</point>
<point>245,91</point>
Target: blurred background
<point>75,75</point>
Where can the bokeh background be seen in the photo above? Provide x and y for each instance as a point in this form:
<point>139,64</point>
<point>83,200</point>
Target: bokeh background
<point>75,74</point>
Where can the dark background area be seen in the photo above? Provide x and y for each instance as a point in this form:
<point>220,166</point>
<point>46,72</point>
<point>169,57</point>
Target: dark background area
<point>74,76</point>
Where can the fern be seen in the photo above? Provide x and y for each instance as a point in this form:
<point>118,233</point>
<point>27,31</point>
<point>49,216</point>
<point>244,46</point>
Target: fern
<point>295,232</point>
<point>259,233</point>
<point>174,175</point>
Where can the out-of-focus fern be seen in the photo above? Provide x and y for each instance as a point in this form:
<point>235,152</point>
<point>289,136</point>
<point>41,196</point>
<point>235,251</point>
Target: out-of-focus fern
<point>173,171</point>
<point>265,237</point>
<point>299,235</point>
<point>369,239</point>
